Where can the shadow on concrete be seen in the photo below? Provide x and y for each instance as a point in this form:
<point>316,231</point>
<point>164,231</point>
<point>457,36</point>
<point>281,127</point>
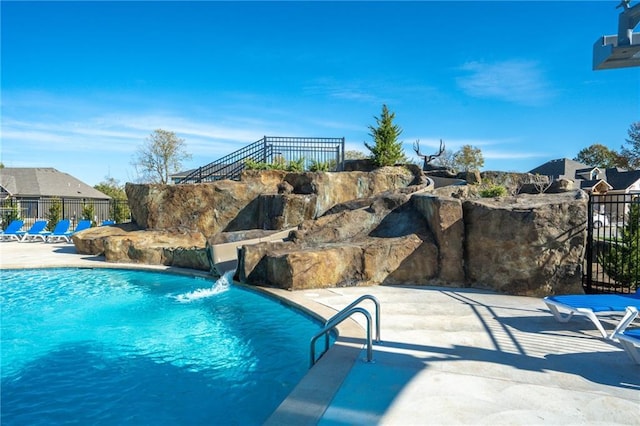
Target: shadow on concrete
<point>524,342</point>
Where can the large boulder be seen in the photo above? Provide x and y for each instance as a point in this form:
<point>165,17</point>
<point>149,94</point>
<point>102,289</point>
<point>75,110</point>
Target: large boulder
<point>209,208</point>
<point>180,249</point>
<point>445,220</point>
<point>529,245</point>
<point>91,241</point>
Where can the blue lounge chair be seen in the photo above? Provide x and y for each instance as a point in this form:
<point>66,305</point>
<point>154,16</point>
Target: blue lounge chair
<point>81,226</point>
<point>12,232</point>
<point>37,231</point>
<point>59,231</point>
<point>591,306</point>
<point>108,222</point>
<point>629,338</point>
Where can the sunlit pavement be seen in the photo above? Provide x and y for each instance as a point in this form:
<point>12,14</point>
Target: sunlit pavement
<point>447,356</point>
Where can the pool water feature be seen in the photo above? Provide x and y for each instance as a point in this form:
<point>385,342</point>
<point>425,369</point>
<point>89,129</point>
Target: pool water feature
<point>104,346</point>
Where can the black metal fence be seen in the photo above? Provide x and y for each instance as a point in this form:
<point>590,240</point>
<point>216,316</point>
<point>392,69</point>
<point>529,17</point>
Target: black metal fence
<point>269,149</point>
<point>612,258</point>
<point>54,209</point>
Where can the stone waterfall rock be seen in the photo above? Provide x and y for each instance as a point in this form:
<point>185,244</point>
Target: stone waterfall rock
<point>269,200</point>
<point>387,241</point>
<point>529,245</point>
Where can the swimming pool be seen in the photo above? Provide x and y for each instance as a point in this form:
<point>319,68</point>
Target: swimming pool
<point>104,346</point>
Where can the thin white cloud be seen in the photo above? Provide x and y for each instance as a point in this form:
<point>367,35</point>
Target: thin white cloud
<point>515,81</point>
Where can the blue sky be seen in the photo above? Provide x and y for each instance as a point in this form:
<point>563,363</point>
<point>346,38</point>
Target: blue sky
<point>84,83</point>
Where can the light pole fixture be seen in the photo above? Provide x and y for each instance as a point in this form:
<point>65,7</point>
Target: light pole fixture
<point>621,50</point>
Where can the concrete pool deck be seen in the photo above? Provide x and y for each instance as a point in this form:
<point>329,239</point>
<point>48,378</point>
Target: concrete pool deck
<point>448,356</point>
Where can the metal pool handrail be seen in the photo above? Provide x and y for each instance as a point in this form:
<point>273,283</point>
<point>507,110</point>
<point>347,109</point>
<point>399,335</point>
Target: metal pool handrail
<point>345,313</point>
<point>375,301</point>
<point>337,319</point>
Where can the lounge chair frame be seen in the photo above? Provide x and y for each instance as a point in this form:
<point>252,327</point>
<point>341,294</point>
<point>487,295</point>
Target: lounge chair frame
<point>613,304</point>
<point>629,339</point>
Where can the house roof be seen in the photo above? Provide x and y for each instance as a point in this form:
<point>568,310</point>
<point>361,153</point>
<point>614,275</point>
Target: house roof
<point>562,167</point>
<point>622,179</point>
<point>45,182</point>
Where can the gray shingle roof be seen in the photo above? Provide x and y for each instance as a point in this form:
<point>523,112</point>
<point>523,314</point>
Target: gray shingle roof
<point>45,182</point>
<point>620,179</point>
<point>561,168</point>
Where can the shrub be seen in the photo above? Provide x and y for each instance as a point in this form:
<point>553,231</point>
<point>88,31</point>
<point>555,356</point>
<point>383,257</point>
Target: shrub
<point>620,262</point>
<point>296,166</point>
<point>493,191</point>
<point>89,212</point>
<point>250,164</point>
<point>319,166</point>
<point>54,214</point>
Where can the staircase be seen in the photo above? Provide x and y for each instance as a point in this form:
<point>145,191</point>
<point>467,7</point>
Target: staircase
<point>330,150</point>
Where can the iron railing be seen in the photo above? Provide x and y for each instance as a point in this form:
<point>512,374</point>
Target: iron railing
<point>32,209</point>
<point>269,149</point>
<point>612,257</point>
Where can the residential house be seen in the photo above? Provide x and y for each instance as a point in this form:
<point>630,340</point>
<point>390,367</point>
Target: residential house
<point>613,188</point>
<point>590,179</point>
<point>30,192</point>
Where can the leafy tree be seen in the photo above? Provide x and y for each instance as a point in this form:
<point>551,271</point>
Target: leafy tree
<point>160,156</point>
<point>468,158</point>
<point>632,153</point>
<point>55,213</point>
<point>119,209</point>
<point>621,261</point>
<point>354,155</point>
<point>446,159</point>
<point>386,150</point>
<point>598,155</point>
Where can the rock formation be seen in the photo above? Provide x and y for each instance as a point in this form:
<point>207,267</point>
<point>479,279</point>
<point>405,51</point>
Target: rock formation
<point>387,226</point>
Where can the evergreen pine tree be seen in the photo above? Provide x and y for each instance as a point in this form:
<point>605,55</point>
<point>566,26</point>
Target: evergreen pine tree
<point>621,262</point>
<point>386,150</point>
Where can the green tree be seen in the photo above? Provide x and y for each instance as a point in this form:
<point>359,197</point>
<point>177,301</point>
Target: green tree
<point>55,213</point>
<point>160,156</point>
<point>598,155</point>
<point>468,158</point>
<point>118,208</point>
<point>621,261</point>
<point>446,159</point>
<point>386,150</point>
<point>632,153</point>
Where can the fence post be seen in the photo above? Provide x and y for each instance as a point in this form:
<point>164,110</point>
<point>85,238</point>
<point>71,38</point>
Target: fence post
<point>587,281</point>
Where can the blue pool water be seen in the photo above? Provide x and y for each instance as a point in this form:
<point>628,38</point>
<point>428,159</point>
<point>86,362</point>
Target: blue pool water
<point>100,346</point>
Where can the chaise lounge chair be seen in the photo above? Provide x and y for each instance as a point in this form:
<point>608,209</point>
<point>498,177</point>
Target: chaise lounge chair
<point>66,236</point>
<point>62,227</point>
<point>12,232</point>
<point>592,305</point>
<point>37,231</point>
<point>629,338</point>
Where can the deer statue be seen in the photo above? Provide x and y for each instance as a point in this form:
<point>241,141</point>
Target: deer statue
<point>427,167</point>
<point>428,158</point>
